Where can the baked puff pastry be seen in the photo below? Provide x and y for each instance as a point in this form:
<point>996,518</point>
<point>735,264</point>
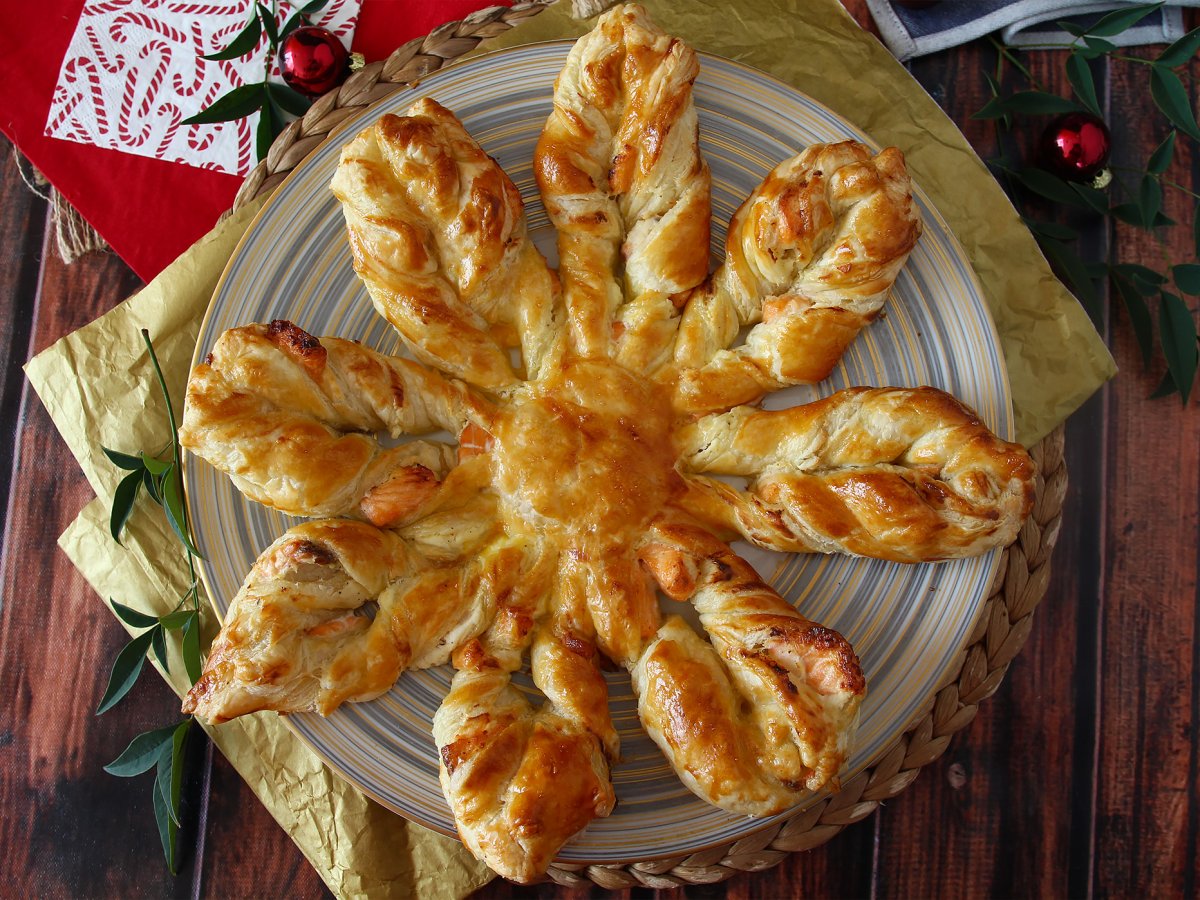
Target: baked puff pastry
<point>762,711</point>
<point>904,474</point>
<point>520,780</point>
<point>584,484</point>
<point>437,230</point>
<point>619,168</point>
<point>333,611</point>
<point>291,419</point>
<point>809,260</point>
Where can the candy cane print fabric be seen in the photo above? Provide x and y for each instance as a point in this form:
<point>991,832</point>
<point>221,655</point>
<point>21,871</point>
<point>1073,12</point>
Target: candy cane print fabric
<point>133,72</point>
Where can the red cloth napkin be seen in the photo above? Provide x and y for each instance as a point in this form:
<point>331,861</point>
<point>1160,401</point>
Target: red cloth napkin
<point>149,210</point>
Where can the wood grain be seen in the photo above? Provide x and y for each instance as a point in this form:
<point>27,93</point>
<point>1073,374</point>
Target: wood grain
<point>1078,778</point>
<point>21,234</point>
<point>1146,798</point>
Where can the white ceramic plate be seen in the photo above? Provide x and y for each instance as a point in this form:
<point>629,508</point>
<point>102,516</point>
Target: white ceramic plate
<point>907,623</point>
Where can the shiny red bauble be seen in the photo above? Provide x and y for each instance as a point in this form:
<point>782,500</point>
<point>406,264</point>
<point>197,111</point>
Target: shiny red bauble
<point>1075,146</point>
<point>313,60</point>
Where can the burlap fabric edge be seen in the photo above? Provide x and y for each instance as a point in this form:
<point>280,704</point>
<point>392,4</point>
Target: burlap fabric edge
<point>1000,633</point>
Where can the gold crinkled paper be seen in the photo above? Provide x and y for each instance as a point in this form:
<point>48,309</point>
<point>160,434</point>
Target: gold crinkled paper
<point>98,386</point>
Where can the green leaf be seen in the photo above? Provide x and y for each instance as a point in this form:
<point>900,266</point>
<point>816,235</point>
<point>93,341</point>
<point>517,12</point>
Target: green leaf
<point>1049,186</point>
<point>167,830</point>
<point>123,460</point>
<point>1072,28</point>
<point>173,504</point>
<point>1149,199</point>
<point>1139,317</point>
<point>267,128</point>
<point>163,778</point>
<point>1172,98</point>
<point>1039,103</point>
<point>245,41</point>
<point>289,100</point>
<point>132,616</point>
<point>159,646</point>
<point>1099,45</point>
<point>168,785</point>
<point>237,104</point>
<point>1082,83</point>
<point>1096,199</point>
<point>177,619</point>
<point>1129,213</point>
<point>191,647</point>
<point>1146,280</point>
<point>1165,388</point>
<point>1177,331</point>
<point>1161,220</point>
<point>268,21</point>
<point>141,754</point>
<point>178,740</point>
<point>155,465</point>
<point>993,109</point>
<point>1160,159</point>
<point>1116,22</point>
<point>1052,230</point>
<point>1182,51</point>
<point>122,505</point>
<point>300,16</point>
<point>151,487</point>
<point>1187,278</point>
<point>1072,268</point>
<point>1196,229</point>
<point>125,671</point>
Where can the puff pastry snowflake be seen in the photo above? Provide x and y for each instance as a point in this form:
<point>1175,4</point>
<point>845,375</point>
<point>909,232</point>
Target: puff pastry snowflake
<point>583,481</point>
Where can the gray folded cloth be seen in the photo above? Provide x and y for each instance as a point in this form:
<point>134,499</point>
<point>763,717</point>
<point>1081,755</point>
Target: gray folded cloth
<point>910,31</point>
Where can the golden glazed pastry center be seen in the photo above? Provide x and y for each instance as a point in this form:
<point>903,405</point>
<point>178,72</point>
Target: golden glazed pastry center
<point>585,455</point>
<point>595,474</point>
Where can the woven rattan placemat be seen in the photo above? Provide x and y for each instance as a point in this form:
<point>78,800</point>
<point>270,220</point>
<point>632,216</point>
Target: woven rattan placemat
<point>998,637</point>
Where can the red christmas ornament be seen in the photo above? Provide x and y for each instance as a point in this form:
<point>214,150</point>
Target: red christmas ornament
<point>1075,146</point>
<point>313,60</point>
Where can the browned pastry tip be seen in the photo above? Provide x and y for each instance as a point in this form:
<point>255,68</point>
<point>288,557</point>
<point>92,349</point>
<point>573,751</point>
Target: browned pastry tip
<point>906,474</point>
<point>763,711</point>
<point>619,168</point>
<point>437,231</point>
<point>294,419</point>
<point>809,260</point>
<point>520,781</point>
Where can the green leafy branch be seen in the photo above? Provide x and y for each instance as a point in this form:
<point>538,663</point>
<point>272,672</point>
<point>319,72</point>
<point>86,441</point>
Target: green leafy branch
<point>275,101</point>
<point>1139,204</point>
<point>163,748</point>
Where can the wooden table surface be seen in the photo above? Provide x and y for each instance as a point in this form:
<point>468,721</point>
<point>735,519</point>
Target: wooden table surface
<point>1078,777</point>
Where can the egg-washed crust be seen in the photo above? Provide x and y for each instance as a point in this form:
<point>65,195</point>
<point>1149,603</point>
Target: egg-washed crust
<point>810,258</point>
<point>584,481</point>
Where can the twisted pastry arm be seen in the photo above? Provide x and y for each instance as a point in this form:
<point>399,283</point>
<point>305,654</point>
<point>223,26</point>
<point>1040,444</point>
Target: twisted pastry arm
<point>333,611</point>
<point>809,260</point>
<point>620,172</point>
<point>765,711</point>
<point>522,781</point>
<point>903,474</point>
<point>437,230</point>
<point>284,414</point>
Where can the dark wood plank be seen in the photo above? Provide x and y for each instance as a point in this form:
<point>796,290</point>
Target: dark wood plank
<point>1079,775</point>
<point>56,645</point>
<point>22,229</point>
<point>1146,796</point>
<point>1015,773</point>
<point>79,830</point>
